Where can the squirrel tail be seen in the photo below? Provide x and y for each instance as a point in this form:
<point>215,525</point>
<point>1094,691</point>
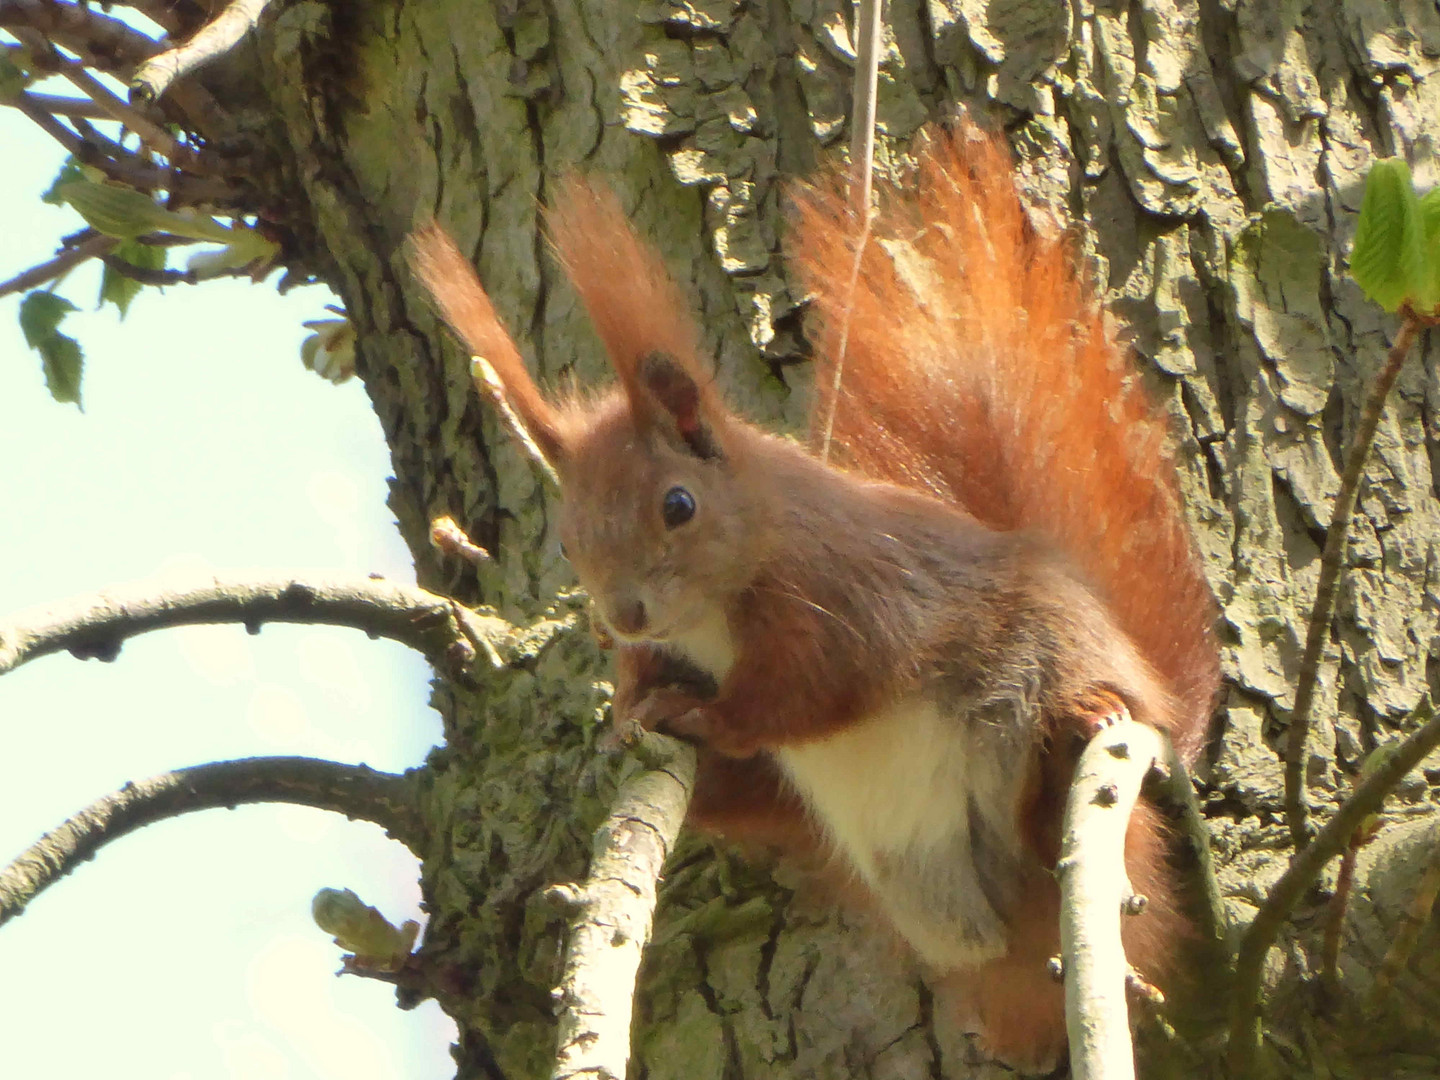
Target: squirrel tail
<point>979,368</point>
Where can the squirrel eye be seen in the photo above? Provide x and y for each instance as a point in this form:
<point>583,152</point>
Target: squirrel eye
<point>678,507</point>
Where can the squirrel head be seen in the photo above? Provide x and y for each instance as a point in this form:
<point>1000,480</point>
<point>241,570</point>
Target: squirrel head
<point>664,506</point>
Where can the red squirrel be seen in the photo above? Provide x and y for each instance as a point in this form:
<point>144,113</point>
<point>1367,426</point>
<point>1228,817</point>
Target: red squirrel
<point>904,646</point>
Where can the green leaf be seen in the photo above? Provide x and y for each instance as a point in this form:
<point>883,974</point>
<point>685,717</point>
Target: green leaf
<point>1388,260</point>
<point>60,357</point>
<point>1429,301</point>
<point>125,213</point>
<point>115,287</point>
<point>69,173</point>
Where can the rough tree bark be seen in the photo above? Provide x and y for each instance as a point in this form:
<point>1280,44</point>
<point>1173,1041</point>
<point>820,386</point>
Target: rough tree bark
<point>1213,152</point>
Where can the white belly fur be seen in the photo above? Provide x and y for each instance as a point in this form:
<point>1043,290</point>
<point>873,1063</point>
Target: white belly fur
<point>895,794</point>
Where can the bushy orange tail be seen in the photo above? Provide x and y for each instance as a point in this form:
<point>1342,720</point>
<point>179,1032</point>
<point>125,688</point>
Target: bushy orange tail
<point>978,367</point>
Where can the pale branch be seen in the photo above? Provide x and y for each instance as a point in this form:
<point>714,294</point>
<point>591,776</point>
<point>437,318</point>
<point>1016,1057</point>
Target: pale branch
<point>447,537</point>
<point>95,626</point>
<point>1336,536</point>
<point>1305,867</point>
<point>62,263</point>
<point>616,904</point>
<point>357,791</point>
<point>487,381</point>
<point>1094,893</point>
<point>210,42</point>
<point>100,41</point>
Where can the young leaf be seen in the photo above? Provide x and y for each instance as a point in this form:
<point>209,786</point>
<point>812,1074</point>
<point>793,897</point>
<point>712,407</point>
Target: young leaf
<point>69,173</point>
<point>115,287</point>
<point>1429,302</point>
<point>125,213</point>
<point>1389,258</point>
<point>60,357</point>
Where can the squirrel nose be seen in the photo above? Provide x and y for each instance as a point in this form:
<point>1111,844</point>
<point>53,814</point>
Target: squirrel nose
<point>628,617</point>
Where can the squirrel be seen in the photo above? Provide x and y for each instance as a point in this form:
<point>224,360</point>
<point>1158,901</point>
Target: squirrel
<point>902,648</point>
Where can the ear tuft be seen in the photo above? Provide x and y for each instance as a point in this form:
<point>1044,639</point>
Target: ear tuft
<point>679,403</point>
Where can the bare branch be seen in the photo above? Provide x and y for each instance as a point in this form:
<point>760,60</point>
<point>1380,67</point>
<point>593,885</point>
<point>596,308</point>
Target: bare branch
<point>95,626</point>
<point>1304,868</point>
<point>1094,892</point>
<point>356,791</point>
<point>60,264</point>
<point>147,276</point>
<point>59,105</point>
<point>617,903</point>
<point>212,41</point>
<point>99,40</point>
<point>124,166</point>
<point>1336,537</point>
<point>487,381</point>
<point>113,108</point>
<point>446,536</point>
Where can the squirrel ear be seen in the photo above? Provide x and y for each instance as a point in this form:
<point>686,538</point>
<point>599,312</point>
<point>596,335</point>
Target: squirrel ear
<point>677,404</point>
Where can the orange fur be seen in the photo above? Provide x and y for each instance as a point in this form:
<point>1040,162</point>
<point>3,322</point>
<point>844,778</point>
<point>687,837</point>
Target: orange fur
<point>979,368</point>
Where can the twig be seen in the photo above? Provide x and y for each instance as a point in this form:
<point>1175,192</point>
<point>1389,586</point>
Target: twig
<point>95,626</point>
<point>1179,792</point>
<point>99,40</point>
<point>148,276</point>
<point>59,105</point>
<point>487,381</point>
<point>60,264</point>
<point>149,131</point>
<point>1304,868</point>
<point>1296,813</point>
<point>869,29</point>
<point>447,536</point>
<point>617,903</point>
<point>356,791</point>
<point>1094,889</point>
<point>126,168</point>
<point>1335,921</point>
<point>210,42</point>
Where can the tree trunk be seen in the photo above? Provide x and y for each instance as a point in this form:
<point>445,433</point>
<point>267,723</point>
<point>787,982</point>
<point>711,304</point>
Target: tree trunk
<point>1212,156</point>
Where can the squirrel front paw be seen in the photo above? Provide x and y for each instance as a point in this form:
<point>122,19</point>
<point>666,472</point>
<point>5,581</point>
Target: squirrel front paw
<point>672,711</point>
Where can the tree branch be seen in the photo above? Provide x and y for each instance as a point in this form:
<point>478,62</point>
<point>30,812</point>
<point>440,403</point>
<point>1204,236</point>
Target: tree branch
<point>60,264</point>
<point>1304,868</point>
<point>125,166</point>
<point>617,903</point>
<point>356,791</point>
<point>1336,537</point>
<point>147,276</point>
<point>1094,892</point>
<point>99,40</point>
<point>210,42</point>
<point>95,626</point>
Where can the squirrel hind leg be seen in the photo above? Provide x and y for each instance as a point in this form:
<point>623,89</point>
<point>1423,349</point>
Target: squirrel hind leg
<point>1013,1007</point>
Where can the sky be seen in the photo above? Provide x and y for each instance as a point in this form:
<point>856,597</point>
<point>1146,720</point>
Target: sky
<point>186,951</point>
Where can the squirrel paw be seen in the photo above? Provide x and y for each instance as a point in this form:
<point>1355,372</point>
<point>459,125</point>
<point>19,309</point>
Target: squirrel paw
<point>674,712</point>
<point>1106,711</point>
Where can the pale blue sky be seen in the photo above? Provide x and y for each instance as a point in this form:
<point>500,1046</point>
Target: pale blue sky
<point>186,950</point>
